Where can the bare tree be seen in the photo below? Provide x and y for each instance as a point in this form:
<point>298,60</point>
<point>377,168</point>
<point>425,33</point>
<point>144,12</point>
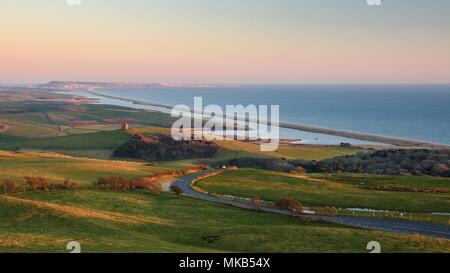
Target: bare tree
<point>256,201</point>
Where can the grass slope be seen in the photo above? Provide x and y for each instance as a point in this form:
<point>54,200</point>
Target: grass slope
<point>320,192</point>
<point>131,221</point>
<point>94,141</point>
<point>46,118</point>
<point>314,153</point>
<point>428,182</point>
<point>235,149</point>
<point>28,128</point>
<point>137,222</point>
<point>58,167</point>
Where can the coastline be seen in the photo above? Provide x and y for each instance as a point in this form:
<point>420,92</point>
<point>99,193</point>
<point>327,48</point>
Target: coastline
<point>299,127</point>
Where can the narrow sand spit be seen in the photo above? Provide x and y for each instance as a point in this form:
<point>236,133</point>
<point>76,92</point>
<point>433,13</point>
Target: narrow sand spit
<point>300,127</point>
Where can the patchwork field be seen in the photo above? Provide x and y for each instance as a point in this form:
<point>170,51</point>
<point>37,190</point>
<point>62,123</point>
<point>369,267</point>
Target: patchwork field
<point>80,129</point>
<point>100,141</point>
<point>44,119</point>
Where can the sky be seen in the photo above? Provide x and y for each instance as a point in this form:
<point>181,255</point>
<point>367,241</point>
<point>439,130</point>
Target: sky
<point>225,41</point>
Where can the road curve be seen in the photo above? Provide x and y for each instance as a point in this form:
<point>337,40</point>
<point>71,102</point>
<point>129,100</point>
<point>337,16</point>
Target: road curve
<point>381,224</point>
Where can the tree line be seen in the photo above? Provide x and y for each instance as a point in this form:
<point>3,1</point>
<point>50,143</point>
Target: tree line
<point>416,162</point>
<point>163,148</point>
<point>37,184</point>
<point>120,183</point>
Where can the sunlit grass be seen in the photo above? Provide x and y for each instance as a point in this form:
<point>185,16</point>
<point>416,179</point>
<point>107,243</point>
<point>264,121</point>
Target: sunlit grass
<point>117,221</point>
<point>321,192</point>
<point>57,167</point>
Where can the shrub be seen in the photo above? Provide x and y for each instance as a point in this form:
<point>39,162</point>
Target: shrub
<point>120,183</point>
<point>177,190</point>
<point>36,183</point>
<point>9,187</point>
<point>272,164</point>
<point>256,201</point>
<point>287,203</point>
<point>164,147</point>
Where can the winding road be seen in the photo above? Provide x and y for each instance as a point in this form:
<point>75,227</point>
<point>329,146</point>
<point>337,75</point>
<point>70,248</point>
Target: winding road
<point>381,224</point>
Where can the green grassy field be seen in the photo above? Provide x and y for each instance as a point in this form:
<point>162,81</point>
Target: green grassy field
<point>131,221</point>
<point>47,118</point>
<point>136,222</point>
<point>36,117</point>
<point>94,129</point>
<point>235,149</point>
<point>28,129</point>
<point>152,118</point>
<point>9,138</point>
<point>57,168</point>
<point>92,141</point>
<point>55,113</point>
<point>428,182</point>
<point>413,216</point>
<point>313,191</point>
<point>314,153</point>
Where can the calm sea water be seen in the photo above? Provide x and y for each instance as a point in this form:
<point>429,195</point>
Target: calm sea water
<point>419,112</point>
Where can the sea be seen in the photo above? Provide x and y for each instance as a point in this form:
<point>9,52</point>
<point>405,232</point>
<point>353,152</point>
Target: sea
<point>416,112</point>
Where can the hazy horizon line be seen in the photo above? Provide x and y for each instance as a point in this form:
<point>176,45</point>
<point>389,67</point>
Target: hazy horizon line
<point>219,83</point>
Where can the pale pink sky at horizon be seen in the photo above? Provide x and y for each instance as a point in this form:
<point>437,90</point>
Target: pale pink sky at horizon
<point>246,41</point>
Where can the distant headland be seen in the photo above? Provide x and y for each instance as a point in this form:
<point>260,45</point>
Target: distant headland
<point>93,85</point>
